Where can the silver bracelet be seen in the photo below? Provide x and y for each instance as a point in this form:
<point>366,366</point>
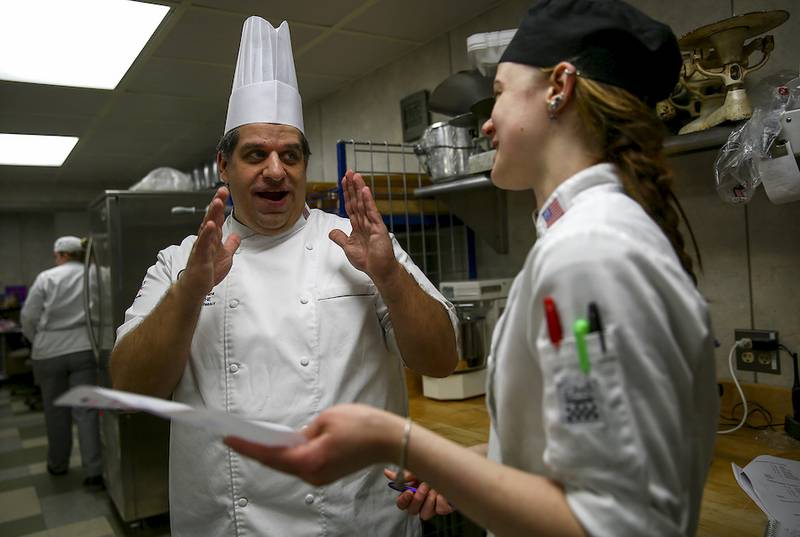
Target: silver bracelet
<point>399,478</point>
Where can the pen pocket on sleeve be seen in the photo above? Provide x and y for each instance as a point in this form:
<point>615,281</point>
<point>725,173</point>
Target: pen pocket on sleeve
<point>587,420</point>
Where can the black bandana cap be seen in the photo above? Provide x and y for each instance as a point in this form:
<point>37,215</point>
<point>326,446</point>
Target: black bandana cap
<point>608,41</point>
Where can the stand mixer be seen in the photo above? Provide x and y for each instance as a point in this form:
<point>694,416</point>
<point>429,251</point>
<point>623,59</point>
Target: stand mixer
<point>479,304</point>
<point>715,64</point>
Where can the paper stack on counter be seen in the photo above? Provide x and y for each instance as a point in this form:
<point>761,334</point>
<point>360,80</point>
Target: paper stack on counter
<point>773,484</point>
<point>216,421</point>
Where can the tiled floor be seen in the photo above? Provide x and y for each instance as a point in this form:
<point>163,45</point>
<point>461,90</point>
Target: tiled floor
<point>35,504</point>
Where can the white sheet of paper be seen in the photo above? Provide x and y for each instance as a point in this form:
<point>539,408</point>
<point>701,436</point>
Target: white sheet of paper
<point>774,485</point>
<point>776,529</point>
<point>216,421</point>
<point>747,486</point>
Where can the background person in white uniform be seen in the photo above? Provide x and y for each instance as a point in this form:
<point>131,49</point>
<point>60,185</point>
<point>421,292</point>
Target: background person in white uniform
<point>53,319</point>
<point>614,441</point>
<point>276,313</point>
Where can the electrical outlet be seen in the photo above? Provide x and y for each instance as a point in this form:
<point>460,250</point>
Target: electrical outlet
<point>763,355</point>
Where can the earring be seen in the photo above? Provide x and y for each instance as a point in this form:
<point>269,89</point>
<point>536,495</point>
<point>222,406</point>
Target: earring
<point>552,106</point>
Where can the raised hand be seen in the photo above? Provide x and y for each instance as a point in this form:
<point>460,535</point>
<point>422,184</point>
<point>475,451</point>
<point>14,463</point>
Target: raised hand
<point>211,259</point>
<point>369,247</point>
<point>425,502</point>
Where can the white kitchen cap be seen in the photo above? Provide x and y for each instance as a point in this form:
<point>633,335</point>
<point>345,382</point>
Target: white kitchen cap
<point>264,85</point>
<point>68,244</point>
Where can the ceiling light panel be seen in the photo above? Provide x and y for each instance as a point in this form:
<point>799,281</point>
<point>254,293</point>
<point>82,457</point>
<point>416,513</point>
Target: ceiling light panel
<point>35,150</point>
<point>83,43</point>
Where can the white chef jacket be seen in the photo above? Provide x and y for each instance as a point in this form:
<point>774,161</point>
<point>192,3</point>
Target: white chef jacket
<point>293,329</point>
<point>52,317</point>
<point>632,441</point>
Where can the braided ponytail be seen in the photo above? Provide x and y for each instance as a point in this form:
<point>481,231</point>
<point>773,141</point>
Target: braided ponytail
<point>630,136</point>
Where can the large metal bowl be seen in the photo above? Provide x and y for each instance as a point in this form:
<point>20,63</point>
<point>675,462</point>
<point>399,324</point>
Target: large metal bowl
<point>444,149</point>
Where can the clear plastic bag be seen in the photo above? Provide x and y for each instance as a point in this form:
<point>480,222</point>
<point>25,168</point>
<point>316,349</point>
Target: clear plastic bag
<point>164,178</point>
<point>736,169</point>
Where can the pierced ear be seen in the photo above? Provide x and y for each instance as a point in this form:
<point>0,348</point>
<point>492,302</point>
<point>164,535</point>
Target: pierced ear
<point>553,105</point>
<point>562,82</point>
<point>561,85</point>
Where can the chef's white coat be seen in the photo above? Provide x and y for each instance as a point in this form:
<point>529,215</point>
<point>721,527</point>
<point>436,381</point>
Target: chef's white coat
<point>293,329</point>
<point>633,441</point>
<point>52,317</point>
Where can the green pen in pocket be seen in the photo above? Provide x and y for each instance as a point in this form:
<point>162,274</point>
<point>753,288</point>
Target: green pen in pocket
<point>581,329</point>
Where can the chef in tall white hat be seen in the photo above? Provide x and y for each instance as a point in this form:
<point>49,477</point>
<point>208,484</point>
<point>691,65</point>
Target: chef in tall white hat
<point>278,312</point>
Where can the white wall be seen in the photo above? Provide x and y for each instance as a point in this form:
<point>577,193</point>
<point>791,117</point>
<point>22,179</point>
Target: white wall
<point>26,242</point>
<point>71,223</point>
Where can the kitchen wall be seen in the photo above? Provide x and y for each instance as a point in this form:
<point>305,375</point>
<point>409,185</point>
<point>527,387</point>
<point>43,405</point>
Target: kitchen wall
<point>751,254</point>
<point>26,242</point>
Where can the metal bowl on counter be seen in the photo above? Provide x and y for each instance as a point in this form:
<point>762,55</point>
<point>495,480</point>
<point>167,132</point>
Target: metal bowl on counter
<point>475,334</point>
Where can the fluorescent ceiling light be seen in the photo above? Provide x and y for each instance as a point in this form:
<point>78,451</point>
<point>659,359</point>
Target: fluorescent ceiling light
<point>85,43</point>
<point>35,150</point>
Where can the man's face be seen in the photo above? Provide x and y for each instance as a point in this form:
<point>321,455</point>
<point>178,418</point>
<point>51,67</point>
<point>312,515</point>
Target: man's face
<point>266,175</point>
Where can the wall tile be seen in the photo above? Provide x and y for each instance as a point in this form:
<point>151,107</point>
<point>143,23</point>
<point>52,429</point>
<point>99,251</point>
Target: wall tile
<point>720,230</point>
<point>26,240</point>
<point>370,108</point>
<point>312,121</point>
<point>775,261</point>
<point>787,37</point>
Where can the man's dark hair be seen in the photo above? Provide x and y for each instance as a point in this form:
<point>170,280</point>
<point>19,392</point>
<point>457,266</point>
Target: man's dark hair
<point>229,140</point>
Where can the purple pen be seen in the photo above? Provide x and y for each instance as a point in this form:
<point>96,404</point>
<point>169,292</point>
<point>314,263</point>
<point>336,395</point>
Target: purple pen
<point>401,488</point>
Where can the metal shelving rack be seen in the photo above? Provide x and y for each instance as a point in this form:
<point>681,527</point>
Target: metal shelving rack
<point>437,240</point>
<point>673,146</point>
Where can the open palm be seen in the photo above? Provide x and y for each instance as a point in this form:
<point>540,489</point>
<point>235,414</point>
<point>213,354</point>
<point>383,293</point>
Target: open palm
<point>211,258</point>
<point>368,247</point>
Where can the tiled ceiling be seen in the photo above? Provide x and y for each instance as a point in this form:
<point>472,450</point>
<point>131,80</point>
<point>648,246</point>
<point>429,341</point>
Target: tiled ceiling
<point>169,109</point>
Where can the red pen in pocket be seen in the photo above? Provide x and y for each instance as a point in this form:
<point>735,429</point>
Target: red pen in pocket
<point>553,322</point>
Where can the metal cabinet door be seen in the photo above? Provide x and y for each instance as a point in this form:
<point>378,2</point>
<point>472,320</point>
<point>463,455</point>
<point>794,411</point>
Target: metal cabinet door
<point>142,224</point>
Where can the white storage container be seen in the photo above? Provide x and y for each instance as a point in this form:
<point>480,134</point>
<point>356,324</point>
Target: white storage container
<point>484,50</point>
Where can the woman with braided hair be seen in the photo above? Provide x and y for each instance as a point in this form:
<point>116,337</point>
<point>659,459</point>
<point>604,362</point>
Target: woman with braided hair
<point>633,138</point>
<point>601,384</point>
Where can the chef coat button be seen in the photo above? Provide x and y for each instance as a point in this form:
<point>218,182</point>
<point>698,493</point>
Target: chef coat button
<point>233,368</point>
<point>309,246</point>
<point>242,502</point>
<point>309,499</point>
<point>304,361</point>
<point>233,303</point>
<point>303,299</point>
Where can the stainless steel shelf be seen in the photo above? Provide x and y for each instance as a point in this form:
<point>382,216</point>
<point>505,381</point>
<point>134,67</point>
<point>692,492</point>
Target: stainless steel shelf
<point>697,141</point>
<point>468,182</point>
<point>673,146</point>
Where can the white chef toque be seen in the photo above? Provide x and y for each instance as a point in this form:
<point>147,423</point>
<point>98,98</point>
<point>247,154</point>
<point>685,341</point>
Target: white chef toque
<point>264,85</point>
